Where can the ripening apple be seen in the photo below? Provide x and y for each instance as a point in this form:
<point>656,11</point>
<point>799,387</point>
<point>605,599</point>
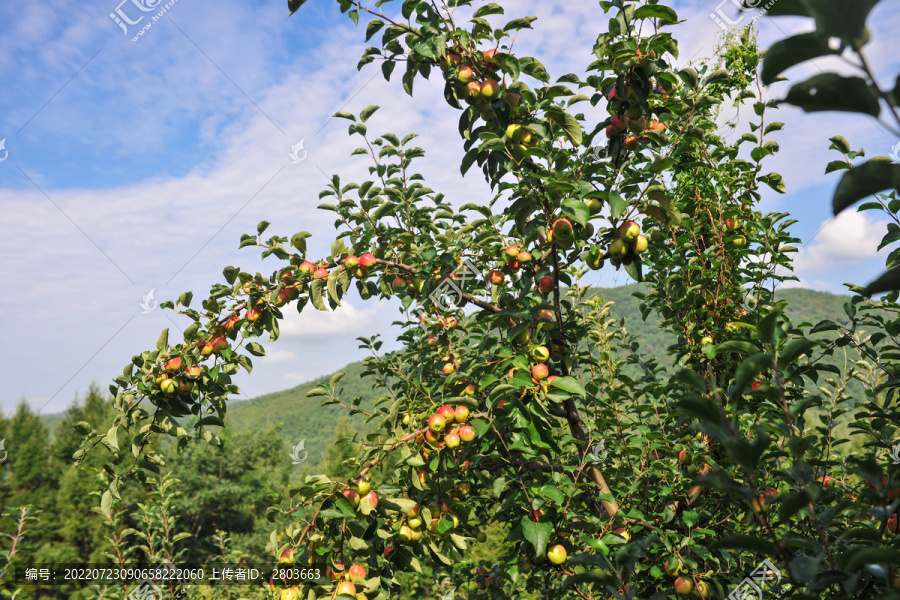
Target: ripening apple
<point>540,371</point>
<point>357,572</point>
<point>168,387</point>
<point>540,354</point>
<point>194,371</point>
<point>640,244</point>
<point>490,88</point>
<point>594,259</point>
<point>437,423</point>
<point>702,590</point>
<point>287,557</point>
<point>320,273</point>
<point>546,284</point>
<point>683,586</point>
<point>632,142</point>
<point>467,433</point>
<point>739,242</point>
<point>398,283</point>
<point>424,477</point>
<point>367,260</point>
<point>448,368</point>
<point>173,364</point>
<point>362,485</point>
<point>469,390</point>
<point>611,132</point>
<point>618,123</point>
<point>185,386</point>
<point>513,264</point>
<point>351,261</point>
<point>461,414</point>
<point>447,412</point>
<point>372,497</point>
<point>755,385</point>
<point>629,231</point>
<point>557,554</point>
<point>618,249</point>
<point>706,339</point>
<point>496,277</point>
<point>674,566</point>
<point>306,268</point>
<point>613,94</point>
<point>291,593</point>
<point>466,74</point>
<point>657,126</point>
<point>253,314</point>
<point>512,99</point>
<point>685,457</point>
<point>359,272</point>
<point>594,205</point>
<point>352,496</point>
<point>452,439</point>
<point>731,224</point>
<point>346,587</point>
<point>512,251</point>
<point>622,532</point>
<point>473,91</point>
<point>524,256</point>
<point>637,125</point>
<point>562,229</point>
<point>528,139</point>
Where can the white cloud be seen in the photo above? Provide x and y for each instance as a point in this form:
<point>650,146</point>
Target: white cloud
<point>278,356</point>
<point>345,320</point>
<point>851,238</point>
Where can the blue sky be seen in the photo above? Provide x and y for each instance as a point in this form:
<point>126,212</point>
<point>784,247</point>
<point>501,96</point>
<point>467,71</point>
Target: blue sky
<point>137,165</point>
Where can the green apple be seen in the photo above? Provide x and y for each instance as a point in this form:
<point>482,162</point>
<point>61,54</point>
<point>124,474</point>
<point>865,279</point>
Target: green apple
<point>557,554</point>
<point>540,354</point>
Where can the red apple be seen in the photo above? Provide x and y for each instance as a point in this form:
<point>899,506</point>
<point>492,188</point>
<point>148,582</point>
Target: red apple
<point>398,283</point>
<point>546,284</point>
<point>513,264</point>
<point>437,423</point>
<point>490,88</point>
<point>173,364</point>
<point>466,74</point>
<point>640,244</point>
<point>346,587</point>
<point>351,495</point>
<point>674,566</point>
<point>632,143</point>
<point>496,277</point>
<point>562,229</point>
<point>540,371</point>
<point>252,314</point>
<point>357,572</point>
<point>683,586</point>
<point>467,433</point>
<point>306,267</point>
<point>448,368</point>
<point>524,256</point>
<point>218,344</point>
<point>366,261</point>
<point>372,497</point>
<point>512,99</point>
<point>512,251</point>
<point>351,261</point>
<point>194,371</point>
<point>447,412</point>
<point>461,414</point>
<point>755,385</point>
<point>320,273</point>
<point>618,123</point>
<point>685,457</point>
<point>452,439</point>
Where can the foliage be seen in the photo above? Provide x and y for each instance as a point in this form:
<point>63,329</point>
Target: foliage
<point>712,464</point>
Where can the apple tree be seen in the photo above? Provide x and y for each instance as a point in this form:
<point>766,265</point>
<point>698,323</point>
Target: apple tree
<point>510,401</point>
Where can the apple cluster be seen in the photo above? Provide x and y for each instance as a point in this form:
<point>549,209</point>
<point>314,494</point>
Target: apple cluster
<point>630,240</point>
<point>447,428</point>
<point>347,580</point>
<point>628,124</point>
<point>474,77</point>
<point>359,491</point>
<point>174,379</point>
<point>732,228</point>
<point>684,584</point>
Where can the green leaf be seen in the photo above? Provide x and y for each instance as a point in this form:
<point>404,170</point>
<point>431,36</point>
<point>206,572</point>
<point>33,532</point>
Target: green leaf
<point>869,556</point>
<point>717,76</point>
<point>373,27</point>
<point>568,384</point>
<point>163,341</point>
<point>840,144</point>
<point>368,112</point>
<point>538,534</point>
<point>83,427</point>
<point>293,5</point>
<point>345,115</point>
<point>492,8</point>
<point>830,91</point>
<point>749,370</point>
<point>106,503</point>
<point>658,11</point>
<point>523,23</point>
<point>746,542</point>
<point>298,240</point>
<point>255,349</point>
<point>786,53</point>
<point>886,282</point>
<point>869,178</point>
<point>569,124</point>
<point>578,210</point>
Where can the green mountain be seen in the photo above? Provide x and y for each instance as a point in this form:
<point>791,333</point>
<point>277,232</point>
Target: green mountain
<point>303,418</point>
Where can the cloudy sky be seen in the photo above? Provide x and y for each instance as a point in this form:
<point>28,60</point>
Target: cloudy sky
<point>136,165</point>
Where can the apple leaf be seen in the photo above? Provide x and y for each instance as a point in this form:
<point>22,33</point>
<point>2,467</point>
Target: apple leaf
<point>830,91</point>
<point>106,503</point>
<point>315,294</point>
<point>523,23</point>
<point>578,210</point>
<point>865,180</point>
<point>368,112</point>
<point>492,8</point>
<point>256,349</point>
<point>568,384</point>
<point>163,342</point>
<point>294,5</point>
<point>749,370</point>
<point>538,534</point>
<point>373,27</point>
<point>792,51</point>
<point>649,11</point>
<point>886,282</point>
